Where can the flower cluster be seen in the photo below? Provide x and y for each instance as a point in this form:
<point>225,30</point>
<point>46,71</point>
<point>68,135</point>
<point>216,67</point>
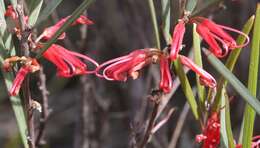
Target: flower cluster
<point>70,63</point>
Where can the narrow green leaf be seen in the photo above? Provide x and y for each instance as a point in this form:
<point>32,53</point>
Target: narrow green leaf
<point>191,4</point>
<point>18,109</point>
<point>232,59</point>
<point>46,12</point>
<point>6,43</point>
<point>227,139</point>
<point>198,61</point>
<point>84,5</point>
<point>238,86</point>
<point>166,17</point>
<point>35,10</point>
<point>186,88</point>
<point>155,25</point>
<point>249,115</point>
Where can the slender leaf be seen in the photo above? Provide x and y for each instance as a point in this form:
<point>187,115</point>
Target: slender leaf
<point>232,59</point>
<point>238,86</point>
<point>191,4</point>
<point>46,12</point>
<point>84,5</point>
<point>6,43</point>
<point>227,139</point>
<point>186,88</point>
<point>198,61</point>
<point>166,18</point>
<point>35,9</point>
<point>155,25</point>
<point>249,115</point>
<point>18,109</point>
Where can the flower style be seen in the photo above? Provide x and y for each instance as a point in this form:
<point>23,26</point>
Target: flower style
<point>68,62</point>
<point>211,133</point>
<point>177,39</point>
<point>166,78</point>
<point>205,78</point>
<point>29,66</point>
<point>215,34</point>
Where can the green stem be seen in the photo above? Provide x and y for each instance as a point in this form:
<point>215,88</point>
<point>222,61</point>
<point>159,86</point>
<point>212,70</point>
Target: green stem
<point>155,25</point>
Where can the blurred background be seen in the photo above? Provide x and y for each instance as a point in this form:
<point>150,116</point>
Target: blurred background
<point>89,110</point>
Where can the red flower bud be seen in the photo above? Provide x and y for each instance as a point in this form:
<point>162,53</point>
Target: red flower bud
<point>177,39</point>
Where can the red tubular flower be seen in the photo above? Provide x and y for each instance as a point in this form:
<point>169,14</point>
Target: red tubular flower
<point>205,77</point>
<point>122,67</point>
<point>214,34</point>
<point>211,133</point>
<point>50,31</point>
<point>31,65</point>
<point>177,38</point>
<point>166,79</point>
<point>11,13</point>
<point>22,73</point>
<point>68,63</point>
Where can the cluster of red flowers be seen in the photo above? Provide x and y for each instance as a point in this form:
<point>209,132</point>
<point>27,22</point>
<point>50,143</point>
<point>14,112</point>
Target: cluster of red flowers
<point>70,63</point>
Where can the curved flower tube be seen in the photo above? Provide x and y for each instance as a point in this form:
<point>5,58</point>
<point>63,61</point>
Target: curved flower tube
<point>166,78</point>
<point>120,68</point>
<point>31,65</point>
<point>177,38</point>
<point>205,77</point>
<point>214,34</point>
<point>68,63</point>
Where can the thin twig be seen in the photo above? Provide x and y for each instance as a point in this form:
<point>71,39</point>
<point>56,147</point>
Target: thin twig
<point>178,128</point>
<point>156,99</point>
<point>45,109</point>
<point>24,47</point>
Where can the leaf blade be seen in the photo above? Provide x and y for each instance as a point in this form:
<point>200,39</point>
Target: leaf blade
<point>237,85</point>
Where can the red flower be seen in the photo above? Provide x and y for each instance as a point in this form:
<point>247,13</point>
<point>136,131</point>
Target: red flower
<point>211,134</point>
<point>11,13</point>
<point>177,39</point>
<point>68,63</point>
<point>122,67</point>
<point>31,65</point>
<point>214,35</point>
<point>166,79</point>
<point>205,77</point>
<point>50,31</point>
